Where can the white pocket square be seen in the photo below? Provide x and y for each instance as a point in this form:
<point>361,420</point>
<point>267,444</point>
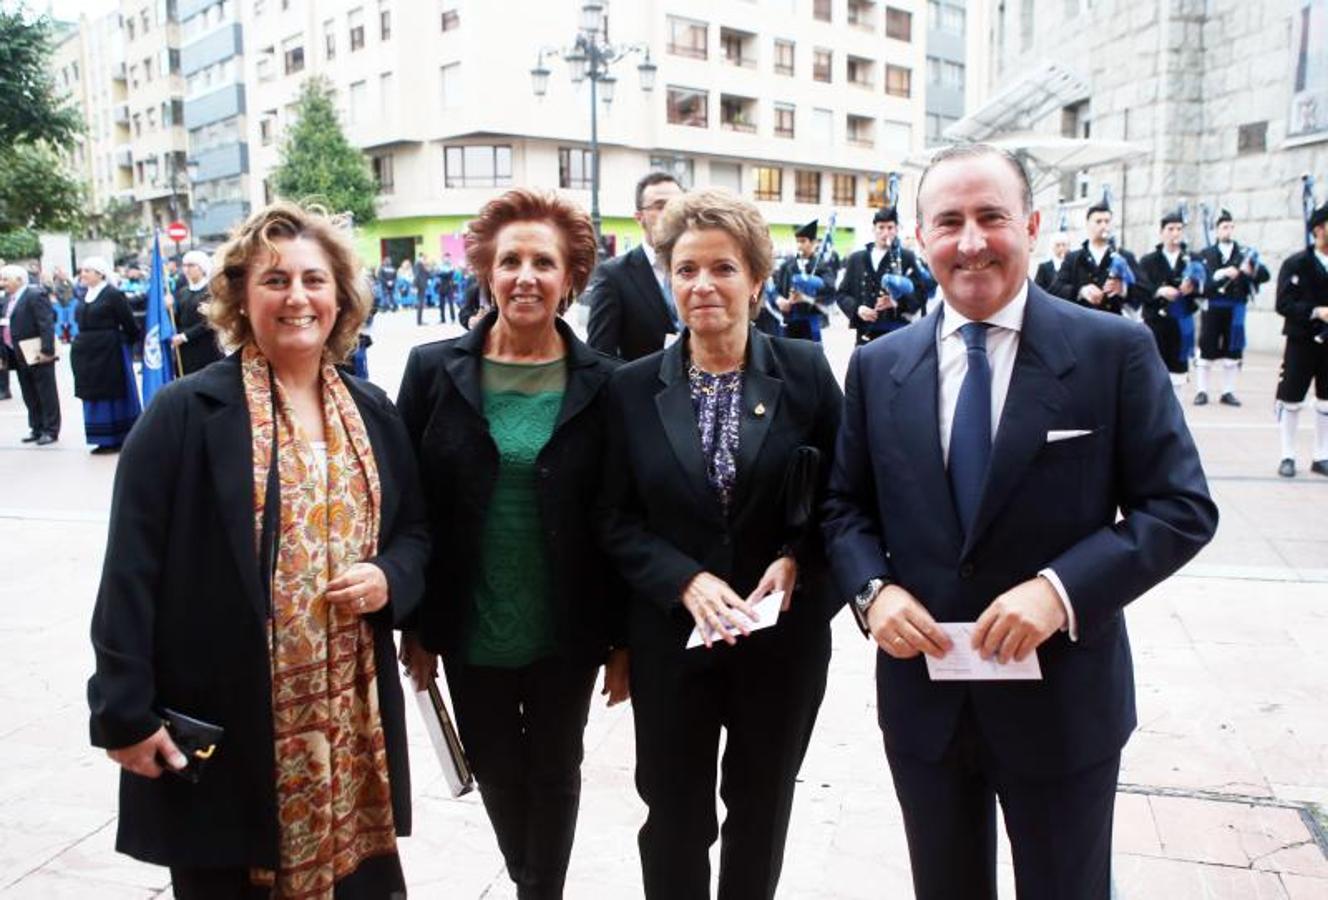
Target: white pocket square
<point>1054,436</point>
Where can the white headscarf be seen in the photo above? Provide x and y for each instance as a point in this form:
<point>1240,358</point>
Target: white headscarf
<point>203,261</point>
<point>97,264</point>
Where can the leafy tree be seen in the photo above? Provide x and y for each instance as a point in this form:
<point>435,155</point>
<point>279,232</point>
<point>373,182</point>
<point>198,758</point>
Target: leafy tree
<point>37,191</point>
<point>20,244</point>
<point>31,111</point>
<point>318,164</point>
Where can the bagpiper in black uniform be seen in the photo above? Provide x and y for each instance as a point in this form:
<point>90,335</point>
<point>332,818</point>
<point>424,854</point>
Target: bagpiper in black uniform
<point>1302,300</point>
<point>803,317</point>
<point>1174,299</point>
<point>1231,285</point>
<point>1090,267</point>
<point>860,290</point>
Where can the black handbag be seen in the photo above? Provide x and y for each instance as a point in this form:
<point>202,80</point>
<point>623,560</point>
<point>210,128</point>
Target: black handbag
<point>196,739</point>
<point>800,483</point>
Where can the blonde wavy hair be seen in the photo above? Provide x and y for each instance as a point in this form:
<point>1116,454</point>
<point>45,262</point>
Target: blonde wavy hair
<point>255,238</point>
<point>723,210</point>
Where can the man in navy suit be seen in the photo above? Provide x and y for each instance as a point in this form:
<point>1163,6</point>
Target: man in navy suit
<point>984,456</point>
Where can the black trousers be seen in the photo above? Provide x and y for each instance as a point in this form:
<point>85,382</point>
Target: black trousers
<point>1059,829</point>
<point>522,732</point>
<point>1304,362</point>
<point>1166,332</point>
<point>1215,334</point>
<point>765,693</point>
<point>40,396</point>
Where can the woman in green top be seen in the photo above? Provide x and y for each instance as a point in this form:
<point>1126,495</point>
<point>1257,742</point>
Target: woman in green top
<point>508,426</point>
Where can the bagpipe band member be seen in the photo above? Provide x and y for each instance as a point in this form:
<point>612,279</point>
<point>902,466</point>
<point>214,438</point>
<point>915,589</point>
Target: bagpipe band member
<point>1302,301</point>
<point>803,316</point>
<point>1100,275</point>
<point>1176,279</point>
<point>1236,274</point>
<point>875,304</point>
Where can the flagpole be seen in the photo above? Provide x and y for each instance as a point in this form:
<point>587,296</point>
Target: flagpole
<point>175,348</point>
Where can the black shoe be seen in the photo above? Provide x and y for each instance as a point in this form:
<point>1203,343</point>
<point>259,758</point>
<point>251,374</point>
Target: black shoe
<point>46,439</point>
<point>104,451</point>
<point>1229,399</point>
<point>1287,468</point>
<point>32,436</point>
<point>1319,467</point>
<point>1201,399</point>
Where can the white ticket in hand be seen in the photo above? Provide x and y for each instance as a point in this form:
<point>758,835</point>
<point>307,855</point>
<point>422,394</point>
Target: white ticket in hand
<point>963,663</point>
<point>767,614</point>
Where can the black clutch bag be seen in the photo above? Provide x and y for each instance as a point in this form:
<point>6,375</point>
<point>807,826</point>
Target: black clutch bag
<point>800,481</point>
<point>197,740</point>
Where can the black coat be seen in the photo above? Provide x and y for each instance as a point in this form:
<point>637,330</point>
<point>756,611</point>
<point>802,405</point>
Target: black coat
<point>629,317</point>
<point>1078,270</point>
<point>200,346</point>
<point>1240,288</point>
<point>1302,284</point>
<point>659,519</point>
<point>181,618</point>
<point>104,326</point>
<point>442,404</point>
<point>33,317</point>
<point>861,286</point>
<point>1046,274</point>
<point>1157,272</point>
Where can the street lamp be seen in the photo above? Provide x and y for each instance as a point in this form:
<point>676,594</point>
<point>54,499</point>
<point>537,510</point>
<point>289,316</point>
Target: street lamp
<point>590,56</point>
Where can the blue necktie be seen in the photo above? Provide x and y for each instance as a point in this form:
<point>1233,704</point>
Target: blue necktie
<point>970,432</point>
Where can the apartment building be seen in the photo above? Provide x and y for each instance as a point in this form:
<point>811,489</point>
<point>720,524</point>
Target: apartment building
<point>956,75</point>
<point>802,105</point>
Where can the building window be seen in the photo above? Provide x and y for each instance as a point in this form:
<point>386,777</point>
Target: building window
<point>783,57</point>
<point>738,48</point>
<point>358,99</point>
<point>382,172</point>
<point>575,165</point>
<point>945,15</point>
<point>806,186</point>
<point>823,127</point>
<point>138,125</point>
<point>860,71</point>
<point>727,176</point>
<point>451,20</point>
<point>480,165</point>
<point>688,107</point>
<point>294,57</point>
<point>843,190</point>
<point>1025,25</point>
<point>769,183</point>
<point>822,63</point>
<point>862,13</point>
<point>682,168</point>
<point>329,40</point>
<point>451,74</point>
<point>737,113</point>
<point>821,10</point>
<point>355,19</point>
<point>687,37</point>
<point>1252,138</point>
<point>172,66</point>
<point>784,120</point>
<point>876,191</point>
<point>898,81</point>
<point>896,137</point>
<point>861,131</point>
<point>129,32</point>
<point>266,127</point>
<point>385,24</point>
<point>898,24</point>
<point>147,69</point>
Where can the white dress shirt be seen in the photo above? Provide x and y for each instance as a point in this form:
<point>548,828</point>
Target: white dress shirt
<point>656,265</point>
<point>1002,347</point>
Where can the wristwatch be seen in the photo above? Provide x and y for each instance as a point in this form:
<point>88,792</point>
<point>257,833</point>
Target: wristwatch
<point>862,600</point>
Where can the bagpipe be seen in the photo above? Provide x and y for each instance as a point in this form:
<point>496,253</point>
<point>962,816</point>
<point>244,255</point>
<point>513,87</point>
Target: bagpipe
<point>809,284</point>
<point>894,282</point>
<point>1307,209</point>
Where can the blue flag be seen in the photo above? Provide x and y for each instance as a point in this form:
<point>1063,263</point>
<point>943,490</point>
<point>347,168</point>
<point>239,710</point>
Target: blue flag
<point>158,358</point>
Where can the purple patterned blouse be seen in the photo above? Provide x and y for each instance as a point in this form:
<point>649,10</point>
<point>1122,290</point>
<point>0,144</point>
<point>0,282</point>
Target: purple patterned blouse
<point>717,400</point>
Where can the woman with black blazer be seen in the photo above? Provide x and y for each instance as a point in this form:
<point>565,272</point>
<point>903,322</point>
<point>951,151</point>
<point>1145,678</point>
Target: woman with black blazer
<point>508,424</point>
<point>102,359</point>
<point>703,436</point>
<point>266,536</point>
<point>194,339</point>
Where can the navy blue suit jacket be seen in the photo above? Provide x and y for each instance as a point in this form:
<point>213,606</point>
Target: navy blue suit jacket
<point>890,510</point>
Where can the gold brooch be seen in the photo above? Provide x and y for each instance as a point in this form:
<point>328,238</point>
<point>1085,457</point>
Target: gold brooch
<point>760,409</point>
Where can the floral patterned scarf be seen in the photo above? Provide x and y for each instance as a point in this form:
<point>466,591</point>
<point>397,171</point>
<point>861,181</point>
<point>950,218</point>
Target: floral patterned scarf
<point>334,802</point>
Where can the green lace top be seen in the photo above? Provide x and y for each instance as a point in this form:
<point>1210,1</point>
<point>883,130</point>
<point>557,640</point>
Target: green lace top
<point>511,624</point>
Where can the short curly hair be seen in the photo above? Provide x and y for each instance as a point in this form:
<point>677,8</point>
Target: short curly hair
<point>525,205</point>
<point>723,210</point>
<point>284,220</point>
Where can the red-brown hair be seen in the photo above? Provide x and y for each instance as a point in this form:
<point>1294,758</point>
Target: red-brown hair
<point>576,233</point>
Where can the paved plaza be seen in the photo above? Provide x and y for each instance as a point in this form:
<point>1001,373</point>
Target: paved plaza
<point>1224,787</point>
